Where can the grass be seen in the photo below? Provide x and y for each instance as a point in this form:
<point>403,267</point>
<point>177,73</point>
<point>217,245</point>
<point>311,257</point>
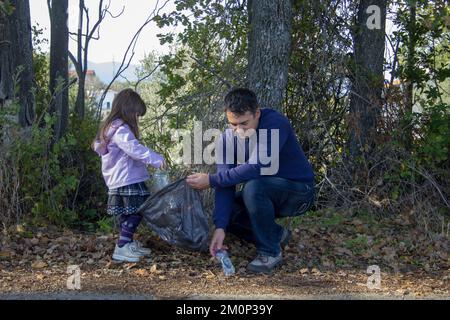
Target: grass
<point>333,220</point>
<point>357,245</point>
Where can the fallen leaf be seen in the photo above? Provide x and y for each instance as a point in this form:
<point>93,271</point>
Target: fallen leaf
<point>315,270</point>
<point>129,266</point>
<point>39,265</point>
<point>304,270</point>
<point>141,272</point>
<point>343,250</point>
<point>153,268</point>
<point>328,264</point>
<point>5,254</point>
<point>209,274</point>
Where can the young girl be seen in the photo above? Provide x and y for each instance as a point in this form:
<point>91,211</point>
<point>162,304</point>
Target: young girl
<point>124,162</point>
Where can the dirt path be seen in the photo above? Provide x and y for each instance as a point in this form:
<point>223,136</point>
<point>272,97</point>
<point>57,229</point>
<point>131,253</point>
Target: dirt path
<point>148,281</point>
<point>326,259</point>
<point>105,296</point>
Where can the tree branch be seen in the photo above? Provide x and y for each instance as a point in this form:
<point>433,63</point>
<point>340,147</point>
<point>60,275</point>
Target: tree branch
<point>147,76</point>
<point>129,53</point>
<point>201,64</point>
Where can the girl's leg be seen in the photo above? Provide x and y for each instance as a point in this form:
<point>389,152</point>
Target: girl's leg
<point>128,226</point>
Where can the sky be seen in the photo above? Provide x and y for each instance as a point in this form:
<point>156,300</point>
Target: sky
<point>115,33</point>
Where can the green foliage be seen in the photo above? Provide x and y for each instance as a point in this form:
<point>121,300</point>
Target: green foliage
<point>428,69</point>
<point>211,50</point>
<point>433,144</point>
<point>56,182</point>
<point>41,67</point>
<point>6,7</point>
<point>90,198</point>
<point>106,225</point>
<point>44,184</point>
<point>59,181</point>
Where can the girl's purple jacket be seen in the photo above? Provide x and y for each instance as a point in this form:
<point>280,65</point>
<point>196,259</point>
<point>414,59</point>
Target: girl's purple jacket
<point>124,159</point>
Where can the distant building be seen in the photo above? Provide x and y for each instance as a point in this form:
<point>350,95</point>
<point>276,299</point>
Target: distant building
<point>91,77</point>
<point>107,102</point>
<point>94,91</point>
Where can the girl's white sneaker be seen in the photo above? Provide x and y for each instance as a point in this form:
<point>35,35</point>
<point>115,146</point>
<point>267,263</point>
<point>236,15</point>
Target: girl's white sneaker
<point>141,249</point>
<point>128,253</point>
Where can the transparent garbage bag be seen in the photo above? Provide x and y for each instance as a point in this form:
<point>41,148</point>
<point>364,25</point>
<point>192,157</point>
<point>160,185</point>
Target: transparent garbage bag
<point>176,214</point>
<point>160,180</point>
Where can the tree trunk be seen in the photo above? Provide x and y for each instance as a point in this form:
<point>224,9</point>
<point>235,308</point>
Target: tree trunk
<point>16,60</point>
<point>59,45</point>
<point>80,102</point>
<point>367,77</point>
<point>80,64</point>
<point>408,109</point>
<point>269,47</point>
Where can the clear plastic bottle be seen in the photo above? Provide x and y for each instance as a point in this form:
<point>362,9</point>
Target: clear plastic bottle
<point>160,180</point>
<point>227,265</point>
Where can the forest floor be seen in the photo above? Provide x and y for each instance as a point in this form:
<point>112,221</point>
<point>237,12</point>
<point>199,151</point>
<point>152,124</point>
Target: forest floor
<point>327,258</point>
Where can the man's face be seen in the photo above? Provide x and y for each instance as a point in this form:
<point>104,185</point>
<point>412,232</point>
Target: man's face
<point>241,123</point>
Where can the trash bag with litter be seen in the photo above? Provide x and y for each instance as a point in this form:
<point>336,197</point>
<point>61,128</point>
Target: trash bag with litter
<point>176,214</point>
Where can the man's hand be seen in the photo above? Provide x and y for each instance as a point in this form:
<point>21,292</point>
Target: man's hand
<point>217,241</point>
<point>198,181</point>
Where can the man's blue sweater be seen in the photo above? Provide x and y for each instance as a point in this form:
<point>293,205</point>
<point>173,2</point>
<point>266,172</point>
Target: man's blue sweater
<point>293,165</point>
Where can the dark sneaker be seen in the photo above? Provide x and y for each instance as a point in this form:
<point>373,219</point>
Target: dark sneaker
<point>285,238</point>
<point>264,264</point>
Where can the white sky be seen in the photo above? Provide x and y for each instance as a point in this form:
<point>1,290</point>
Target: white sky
<point>115,34</point>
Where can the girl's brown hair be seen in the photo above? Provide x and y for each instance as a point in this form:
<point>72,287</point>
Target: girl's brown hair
<point>127,105</point>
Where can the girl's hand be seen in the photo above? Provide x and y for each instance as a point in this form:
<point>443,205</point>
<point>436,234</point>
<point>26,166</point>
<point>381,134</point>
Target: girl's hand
<point>163,166</point>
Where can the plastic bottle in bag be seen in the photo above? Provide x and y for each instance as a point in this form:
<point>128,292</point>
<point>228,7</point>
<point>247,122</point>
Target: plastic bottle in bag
<point>227,265</point>
<point>159,181</point>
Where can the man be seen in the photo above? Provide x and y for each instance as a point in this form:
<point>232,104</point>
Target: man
<point>284,187</point>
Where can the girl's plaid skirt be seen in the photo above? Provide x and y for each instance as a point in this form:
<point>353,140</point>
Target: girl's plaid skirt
<point>127,199</point>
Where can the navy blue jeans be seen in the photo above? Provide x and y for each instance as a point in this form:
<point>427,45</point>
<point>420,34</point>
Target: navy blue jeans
<point>263,200</point>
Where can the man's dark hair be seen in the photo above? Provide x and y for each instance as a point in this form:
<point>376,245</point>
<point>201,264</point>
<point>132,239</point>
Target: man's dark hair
<point>240,101</point>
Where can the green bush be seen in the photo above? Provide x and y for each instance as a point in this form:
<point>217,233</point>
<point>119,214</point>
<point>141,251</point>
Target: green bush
<point>52,182</point>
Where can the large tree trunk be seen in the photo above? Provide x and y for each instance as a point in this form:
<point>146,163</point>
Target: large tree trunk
<point>59,63</point>
<point>367,78</point>
<point>269,50</point>
<point>16,60</point>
